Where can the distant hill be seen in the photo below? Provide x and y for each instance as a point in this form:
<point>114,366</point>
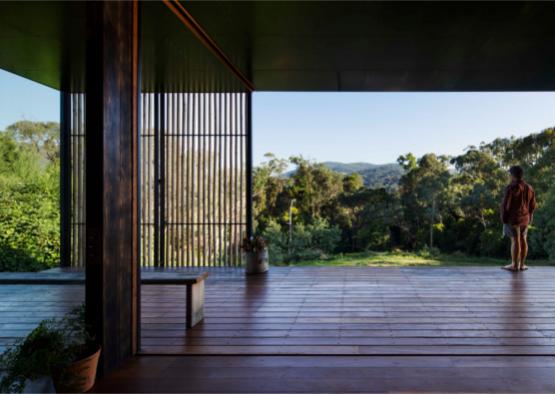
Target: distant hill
<point>375,175</point>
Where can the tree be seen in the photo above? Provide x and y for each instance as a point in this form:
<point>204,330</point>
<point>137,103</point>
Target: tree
<point>447,203</point>
<point>543,227</point>
<point>313,186</point>
<point>29,197</point>
<point>41,137</point>
<point>422,193</point>
<point>269,187</point>
<point>352,183</point>
<point>376,218</point>
<point>479,184</point>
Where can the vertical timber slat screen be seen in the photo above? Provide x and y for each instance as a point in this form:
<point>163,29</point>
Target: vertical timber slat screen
<point>193,179</point>
<point>147,179</point>
<point>75,165</point>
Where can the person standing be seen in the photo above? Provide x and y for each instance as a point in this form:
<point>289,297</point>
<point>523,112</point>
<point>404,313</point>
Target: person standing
<point>517,210</point>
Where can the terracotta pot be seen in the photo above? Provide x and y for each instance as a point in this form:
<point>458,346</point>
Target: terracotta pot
<point>79,376</point>
<point>257,262</point>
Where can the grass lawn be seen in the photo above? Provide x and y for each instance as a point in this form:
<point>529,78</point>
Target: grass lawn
<point>407,259</point>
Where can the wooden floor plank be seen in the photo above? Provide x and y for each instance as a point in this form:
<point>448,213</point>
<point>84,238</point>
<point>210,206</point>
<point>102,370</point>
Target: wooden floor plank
<point>339,310</point>
<point>322,329</point>
<point>322,310</point>
<point>332,374</point>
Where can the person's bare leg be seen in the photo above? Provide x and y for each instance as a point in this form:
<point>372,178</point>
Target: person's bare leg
<point>515,253</point>
<point>523,252</point>
<point>515,250</point>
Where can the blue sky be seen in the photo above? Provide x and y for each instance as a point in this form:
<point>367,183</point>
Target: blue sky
<point>347,127</point>
<point>21,98</point>
<point>378,127</point>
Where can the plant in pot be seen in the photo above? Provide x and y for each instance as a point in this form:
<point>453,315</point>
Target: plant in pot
<point>256,255</point>
<point>61,349</point>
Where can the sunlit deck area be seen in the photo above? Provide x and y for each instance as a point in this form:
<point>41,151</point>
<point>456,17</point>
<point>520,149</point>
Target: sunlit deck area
<point>357,311</point>
<point>318,328</point>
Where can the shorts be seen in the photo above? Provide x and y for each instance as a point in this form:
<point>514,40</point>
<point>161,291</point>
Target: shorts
<point>514,231</point>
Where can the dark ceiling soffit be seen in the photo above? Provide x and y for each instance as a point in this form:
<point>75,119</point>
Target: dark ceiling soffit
<point>188,20</point>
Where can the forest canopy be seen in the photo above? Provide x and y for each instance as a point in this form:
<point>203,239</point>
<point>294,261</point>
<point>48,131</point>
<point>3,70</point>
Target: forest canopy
<point>440,203</point>
<point>434,203</point>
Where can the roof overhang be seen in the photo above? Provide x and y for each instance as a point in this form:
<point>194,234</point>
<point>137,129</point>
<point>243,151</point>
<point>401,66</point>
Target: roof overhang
<point>305,46</point>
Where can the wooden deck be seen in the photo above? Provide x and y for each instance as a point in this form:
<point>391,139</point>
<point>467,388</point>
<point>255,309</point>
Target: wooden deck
<point>332,374</point>
<point>360,311</point>
<point>22,307</point>
<point>321,329</point>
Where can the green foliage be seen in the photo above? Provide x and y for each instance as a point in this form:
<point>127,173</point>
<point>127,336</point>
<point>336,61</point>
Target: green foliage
<point>311,241</point>
<point>29,197</point>
<point>428,253</point>
<point>352,183</point>
<point>422,194</point>
<point>366,219</point>
<point>312,186</point>
<point>372,175</point>
<point>441,204</point>
<point>542,232</point>
<point>34,357</point>
<point>46,351</point>
<point>270,197</point>
<point>42,138</point>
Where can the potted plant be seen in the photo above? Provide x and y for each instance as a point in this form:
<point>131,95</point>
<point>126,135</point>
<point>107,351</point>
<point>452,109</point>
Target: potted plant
<point>60,349</point>
<point>256,255</point>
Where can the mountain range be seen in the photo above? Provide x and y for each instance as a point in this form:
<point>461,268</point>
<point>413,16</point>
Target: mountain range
<point>374,175</point>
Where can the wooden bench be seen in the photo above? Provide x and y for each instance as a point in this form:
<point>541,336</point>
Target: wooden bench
<point>194,307</point>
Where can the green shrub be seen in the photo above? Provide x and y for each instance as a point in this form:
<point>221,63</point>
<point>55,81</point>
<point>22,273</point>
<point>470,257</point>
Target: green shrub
<point>427,252</point>
<point>542,231</point>
<point>29,224</point>
<point>493,243</point>
<point>458,255</point>
<point>29,196</point>
<point>313,241</point>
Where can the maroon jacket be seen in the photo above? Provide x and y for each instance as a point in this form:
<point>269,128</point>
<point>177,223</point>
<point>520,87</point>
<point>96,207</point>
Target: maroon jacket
<point>518,204</point>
